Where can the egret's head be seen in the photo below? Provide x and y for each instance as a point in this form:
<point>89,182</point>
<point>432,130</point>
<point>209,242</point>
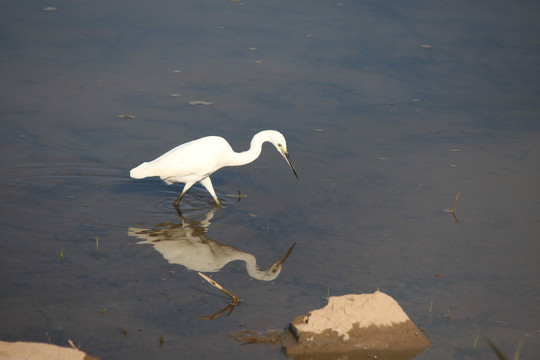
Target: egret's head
<point>273,271</point>
<point>280,143</point>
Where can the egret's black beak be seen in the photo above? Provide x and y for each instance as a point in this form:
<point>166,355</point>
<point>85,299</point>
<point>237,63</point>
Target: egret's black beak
<point>282,260</point>
<point>279,264</point>
<point>288,159</point>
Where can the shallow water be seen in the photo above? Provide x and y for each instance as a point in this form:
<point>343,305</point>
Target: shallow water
<point>389,110</point>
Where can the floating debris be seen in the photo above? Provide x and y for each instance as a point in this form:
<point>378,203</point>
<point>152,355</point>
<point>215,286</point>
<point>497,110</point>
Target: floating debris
<point>177,71</point>
<point>425,46</point>
<point>383,158</point>
<point>258,61</point>
<point>176,95</point>
<point>318,130</point>
<point>455,150</point>
<point>252,49</point>
<point>309,35</point>
<point>415,100</point>
<point>126,116</point>
<point>200,102</point>
<point>49,9</point>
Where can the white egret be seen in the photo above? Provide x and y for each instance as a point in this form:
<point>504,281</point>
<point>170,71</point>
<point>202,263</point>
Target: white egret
<point>196,160</point>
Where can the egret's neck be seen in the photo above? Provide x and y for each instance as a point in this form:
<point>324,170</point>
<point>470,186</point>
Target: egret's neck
<point>253,269</point>
<point>245,157</point>
<point>251,265</point>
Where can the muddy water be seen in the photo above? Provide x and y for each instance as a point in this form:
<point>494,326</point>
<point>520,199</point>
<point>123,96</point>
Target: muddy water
<point>389,110</point>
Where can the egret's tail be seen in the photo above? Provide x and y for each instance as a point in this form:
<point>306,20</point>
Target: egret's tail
<point>142,171</point>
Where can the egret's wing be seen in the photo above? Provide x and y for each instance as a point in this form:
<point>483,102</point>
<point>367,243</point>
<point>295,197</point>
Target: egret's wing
<point>192,161</point>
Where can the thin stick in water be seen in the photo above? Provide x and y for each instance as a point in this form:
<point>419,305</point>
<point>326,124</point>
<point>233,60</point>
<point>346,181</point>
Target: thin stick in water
<point>452,208</point>
<point>235,300</point>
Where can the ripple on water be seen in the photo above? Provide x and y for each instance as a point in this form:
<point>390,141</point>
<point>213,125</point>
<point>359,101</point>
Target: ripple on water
<point>51,193</point>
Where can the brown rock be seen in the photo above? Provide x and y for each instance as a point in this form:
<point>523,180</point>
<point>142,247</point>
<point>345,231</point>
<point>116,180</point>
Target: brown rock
<point>39,351</point>
<point>366,324</point>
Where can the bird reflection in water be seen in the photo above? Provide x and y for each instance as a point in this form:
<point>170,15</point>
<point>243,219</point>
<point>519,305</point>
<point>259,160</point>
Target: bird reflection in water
<point>188,245</point>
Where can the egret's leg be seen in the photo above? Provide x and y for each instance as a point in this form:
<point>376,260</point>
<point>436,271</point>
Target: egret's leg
<point>207,183</point>
<point>186,188</point>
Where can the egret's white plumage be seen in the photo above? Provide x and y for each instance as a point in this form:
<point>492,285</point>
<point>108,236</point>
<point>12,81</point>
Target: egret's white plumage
<point>196,160</point>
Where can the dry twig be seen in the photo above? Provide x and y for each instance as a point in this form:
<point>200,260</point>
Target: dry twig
<point>452,208</point>
<point>235,300</point>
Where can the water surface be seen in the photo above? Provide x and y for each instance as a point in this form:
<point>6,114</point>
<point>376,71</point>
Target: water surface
<point>389,110</point>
